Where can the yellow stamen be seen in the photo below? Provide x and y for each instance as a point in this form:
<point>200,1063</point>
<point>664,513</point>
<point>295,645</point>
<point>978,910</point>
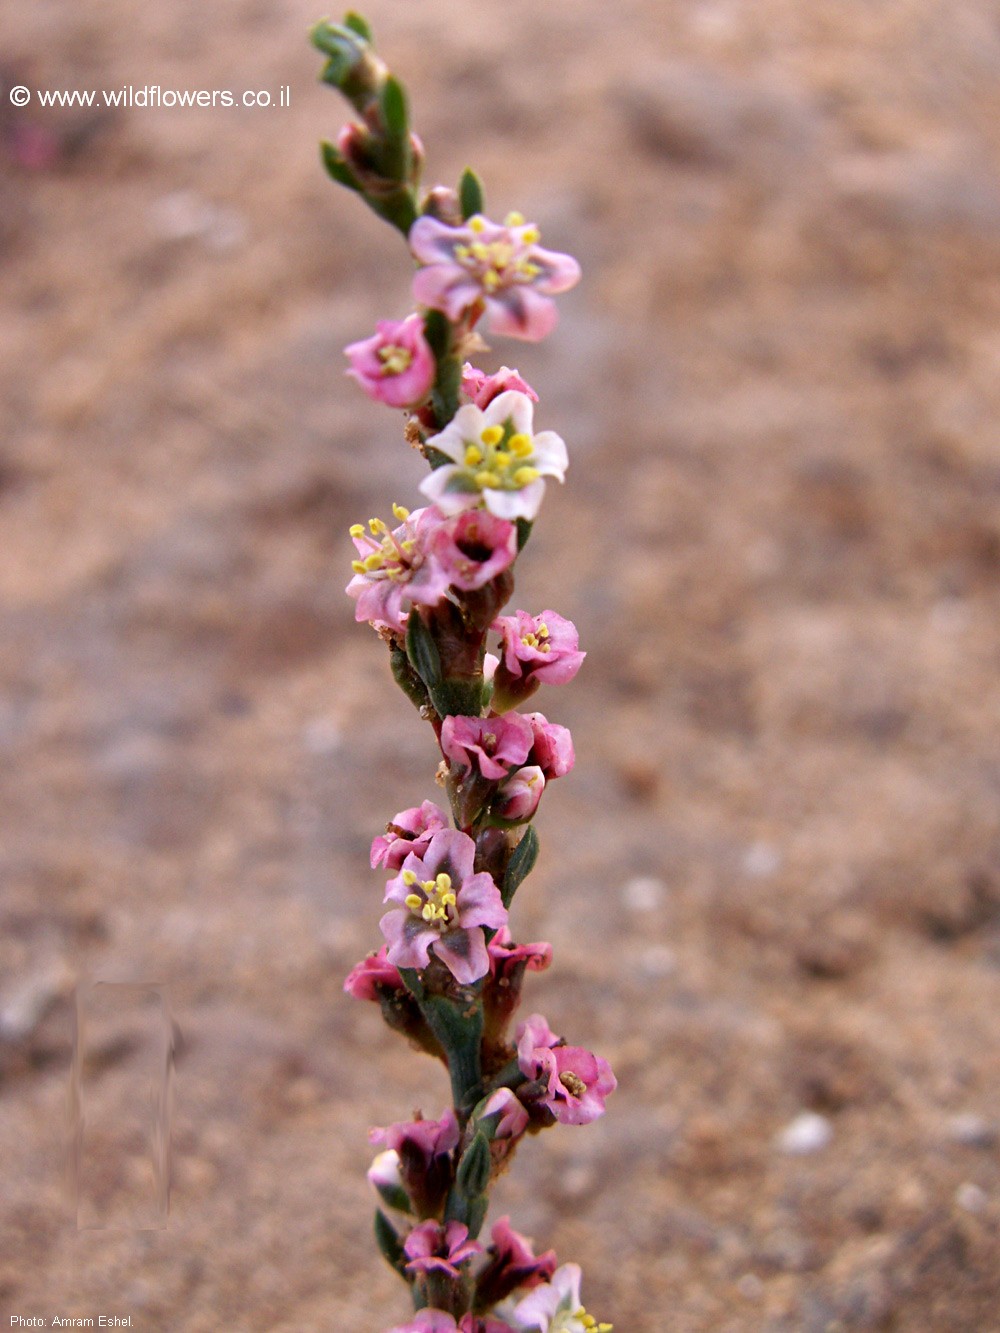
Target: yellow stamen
<point>492,435</point>
<point>409,878</point>
<point>531,236</point>
<point>477,223</point>
<point>525,475</point>
<point>443,882</point>
<point>358,567</point>
<point>374,561</point>
<point>473,456</point>
<point>376,526</point>
<point>502,458</point>
<point>543,630</point>
<point>514,220</point>
<point>413,901</point>
<point>357,530</point>
<point>519,444</point>
<point>486,478</point>
<point>398,511</point>
<point>491,280</point>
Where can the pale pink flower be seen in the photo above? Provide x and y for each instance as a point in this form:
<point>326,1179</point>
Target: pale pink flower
<point>441,905</point>
<point>502,266</point>
<point>372,975</point>
<point>552,746</point>
<point>555,1307</point>
<point>474,548</point>
<point>543,647</point>
<point>395,366</point>
<point>505,955</point>
<point>518,796</point>
<point>410,831</point>
<point>431,1247</point>
<point>395,569</point>
<point>481,388</point>
<point>497,460</point>
<point>576,1081</point>
<point>423,1150</point>
<point>437,1321</point>
<point>491,745</point>
<point>512,1118</point>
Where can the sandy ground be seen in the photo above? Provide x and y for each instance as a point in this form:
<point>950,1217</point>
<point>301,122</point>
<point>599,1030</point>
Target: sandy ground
<point>772,882</point>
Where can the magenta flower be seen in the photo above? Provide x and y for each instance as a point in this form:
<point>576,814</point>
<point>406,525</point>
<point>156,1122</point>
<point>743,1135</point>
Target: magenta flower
<point>394,569</point>
<point>543,648</point>
<point>518,796</point>
<point>504,267</point>
<point>474,548</point>
<point>512,1265</point>
<point>552,746</point>
<point>431,1247</point>
<point>437,1321</point>
<point>481,388</point>
<point>491,745</point>
<point>372,974</point>
<point>555,1307</point>
<point>497,461</point>
<point>410,831</point>
<point>441,905</point>
<point>576,1082</point>
<point>422,1149</point>
<point>395,366</point>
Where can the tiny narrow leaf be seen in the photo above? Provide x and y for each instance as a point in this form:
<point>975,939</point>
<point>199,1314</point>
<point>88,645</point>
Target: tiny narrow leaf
<point>359,25</point>
<point>388,1242</point>
<point>422,651</point>
<point>394,109</point>
<point>470,193</point>
<point>336,167</point>
<point>522,860</point>
<point>474,1168</point>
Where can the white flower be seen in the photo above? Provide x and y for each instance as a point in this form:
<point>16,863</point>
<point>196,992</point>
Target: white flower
<point>554,1307</point>
<point>498,462</point>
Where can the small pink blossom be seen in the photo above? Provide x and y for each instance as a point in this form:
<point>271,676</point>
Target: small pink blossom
<point>576,1081</point>
<point>552,746</point>
<point>437,1321</point>
<point>372,974</point>
<point>395,569</point>
<point>511,1117</point>
<point>395,366</point>
<point>502,266</point>
<point>505,955</point>
<point>518,796</point>
<point>474,548</point>
<point>410,831</point>
<point>496,459</point>
<point>423,1149</point>
<point>543,648</point>
<point>481,388</point>
<point>512,1265</point>
<point>440,904</point>
<point>490,745</point>
<point>431,1247</point>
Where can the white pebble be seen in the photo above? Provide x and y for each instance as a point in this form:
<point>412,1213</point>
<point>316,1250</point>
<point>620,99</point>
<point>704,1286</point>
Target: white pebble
<point>971,1198</point>
<point>807,1133</point>
<point>761,860</point>
<point>644,893</point>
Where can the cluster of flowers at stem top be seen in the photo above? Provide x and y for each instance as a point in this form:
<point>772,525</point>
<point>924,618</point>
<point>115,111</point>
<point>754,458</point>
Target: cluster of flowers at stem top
<point>434,581</point>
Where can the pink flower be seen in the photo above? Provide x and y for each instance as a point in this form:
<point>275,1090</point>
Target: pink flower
<point>395,568</point>
<point>511,1117</point>
<point>492,745</point>
<point>410,831</point>
<point>505,955</point>
<point>497,461</point>
<point>431,1247</point>
<point>544,647</point>
<point>518,796</point>
<point>395,366</point>
<point>474,548</point>
<point>422,1150</point>
<point>555,1307</point>
<point>441,905</point>
<point>504,267</point>
<point>512,1265</point>
<point>481,388</point>
<point>576,1082</point>
<point>551,747</point>
<point>372,974</point>
<point>437,1321</point>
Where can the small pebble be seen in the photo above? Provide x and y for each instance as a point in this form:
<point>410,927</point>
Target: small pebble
<point>971,1198</point>
<point>972,1131</point>
<point>644,893</point>
<point>761,860</point>
<point>807,1133</point>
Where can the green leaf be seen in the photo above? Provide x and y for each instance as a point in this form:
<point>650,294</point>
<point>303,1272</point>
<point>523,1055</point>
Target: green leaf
<point>437,331</point>
<point>359,25</point>
<point>388,1242</point>
<point>470,193</point>
<point>406,678</point>
<point>395,114</point>
<point>343,46</point>
<point>458,697</point>
<point>458,1026</point>
<point>520,865</point>
<point>336,167</point>
<point>422,651</point>
<point>474,1169</point>
<point>524,526</point>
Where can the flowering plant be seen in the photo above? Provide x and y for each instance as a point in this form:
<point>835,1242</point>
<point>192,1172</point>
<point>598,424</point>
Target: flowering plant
<point>450,972</point>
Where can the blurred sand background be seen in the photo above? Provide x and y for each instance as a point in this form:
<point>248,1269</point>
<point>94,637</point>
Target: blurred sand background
<point>772,882</point>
